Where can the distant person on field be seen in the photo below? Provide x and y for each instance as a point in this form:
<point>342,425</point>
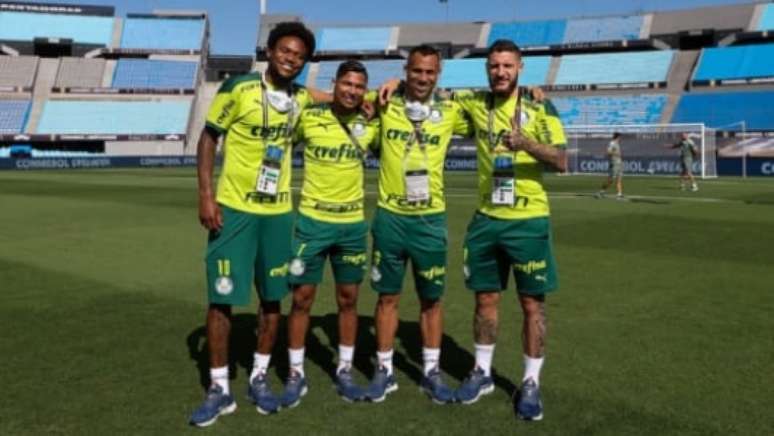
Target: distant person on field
<point>615,168</point>
<point>688,153</point>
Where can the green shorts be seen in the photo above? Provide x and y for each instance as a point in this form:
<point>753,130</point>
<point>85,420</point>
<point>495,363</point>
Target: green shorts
<point>249,248</point>
<point>315,240</point>
<point>494,247</point>
<point>398,238</point>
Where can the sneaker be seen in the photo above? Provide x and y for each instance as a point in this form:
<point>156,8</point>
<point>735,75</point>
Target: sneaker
<point>599,195</point>
<point>527,401</point>
<point>381,385</point>
<point>295,388</point>
<point>474,387</point>
<point>216,403</point>
<point>433,385</point>
<point>259,392</point>
<point>619,197</point>
<point>695,188</point>
<point>347,388</point>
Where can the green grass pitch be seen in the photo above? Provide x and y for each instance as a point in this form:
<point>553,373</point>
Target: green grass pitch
<point>664,323</point>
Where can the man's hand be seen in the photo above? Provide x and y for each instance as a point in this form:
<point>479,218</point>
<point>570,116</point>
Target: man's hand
<point>387,89</point>
<point>515,140</point>
<point>368,109</point>
<point>537,94</point>
<point>210,215</point>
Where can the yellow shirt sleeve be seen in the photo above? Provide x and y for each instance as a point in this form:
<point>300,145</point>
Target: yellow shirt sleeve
<point>553,133</point>
<point>224,107</point>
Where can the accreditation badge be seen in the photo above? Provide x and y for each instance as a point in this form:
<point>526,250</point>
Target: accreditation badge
<point>417,185</point>
<point>503,181</point>
<point>270,172</point>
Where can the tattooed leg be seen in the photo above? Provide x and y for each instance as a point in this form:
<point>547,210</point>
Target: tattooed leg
<point>485,319</point>
<point>533,332</point>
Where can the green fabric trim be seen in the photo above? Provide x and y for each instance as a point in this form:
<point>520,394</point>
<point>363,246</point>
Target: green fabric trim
<point>232,82</point>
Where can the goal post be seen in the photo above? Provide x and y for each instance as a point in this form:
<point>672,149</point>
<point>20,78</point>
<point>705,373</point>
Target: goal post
<point>645,148</point>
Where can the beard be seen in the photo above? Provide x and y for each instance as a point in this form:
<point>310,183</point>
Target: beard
<point>508,91</point>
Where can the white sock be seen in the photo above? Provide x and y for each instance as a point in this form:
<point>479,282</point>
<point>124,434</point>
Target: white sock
<point>430,357</point>
<point>219,376</point>
<point>532,368</point>
<point>296,357</point>
<point>260,364</point>
<point>484,355</point>
<point>346,353</point>
<point>385,359</point>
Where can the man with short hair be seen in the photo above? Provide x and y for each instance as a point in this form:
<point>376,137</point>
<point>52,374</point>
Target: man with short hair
<point>331,223</point>
<point>516,140</point>
<point>250,219</point>
<point>614,168</point>
<point>687,154</point>
<point>410,220</point>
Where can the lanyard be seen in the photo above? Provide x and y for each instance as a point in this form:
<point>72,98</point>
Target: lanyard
<point>265,104</point>
<point>492,137</point>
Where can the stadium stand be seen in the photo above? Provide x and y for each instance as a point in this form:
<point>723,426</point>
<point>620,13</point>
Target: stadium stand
<point>378,72</point>
<point>154,74</point>
<point>18,72</point>
<point>25,26</point>
<point>162,33</point>
<point>529,33</point>
<point>471,73</point>
<point>80,72</point>
<point>767,18</point>
<point>719,18</point>
<point>603,29</point>
<point>353,39</point>
<point>13,115</point>
<point>618,109</point>
<point>737,62</point>
<point>456,34</point>
<point>114,117</point>
<point>727,110</point>
<point>615,68</point>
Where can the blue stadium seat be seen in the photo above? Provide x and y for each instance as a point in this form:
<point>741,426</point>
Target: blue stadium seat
<point>354,39</point>
<point>163,33</point>
<point>767,18</point>
<point>463,73</point>
<point>23,26</point>
<point>603,29</point>
<point>471,73</point>
<point>13,115</point>
<point>378,72</point>
<point>606,110</point>
<point>739,62</point>
<point>154,74</point>
<point>636,67</point>
<point>526,33</point>
<point>114,117</point>
<point>726,111</point>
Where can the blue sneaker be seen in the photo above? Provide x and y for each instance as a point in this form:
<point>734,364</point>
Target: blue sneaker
<point>474,387</point>
<point>260,394</point>
<point>347,388</point>
<point>216,403</point>
<point>433,385</point>
<point>528,404</point>
<point>381,385</point>
<point>295,388</point>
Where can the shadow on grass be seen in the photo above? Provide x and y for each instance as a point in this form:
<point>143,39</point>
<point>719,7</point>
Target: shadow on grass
<point>321,350</point>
